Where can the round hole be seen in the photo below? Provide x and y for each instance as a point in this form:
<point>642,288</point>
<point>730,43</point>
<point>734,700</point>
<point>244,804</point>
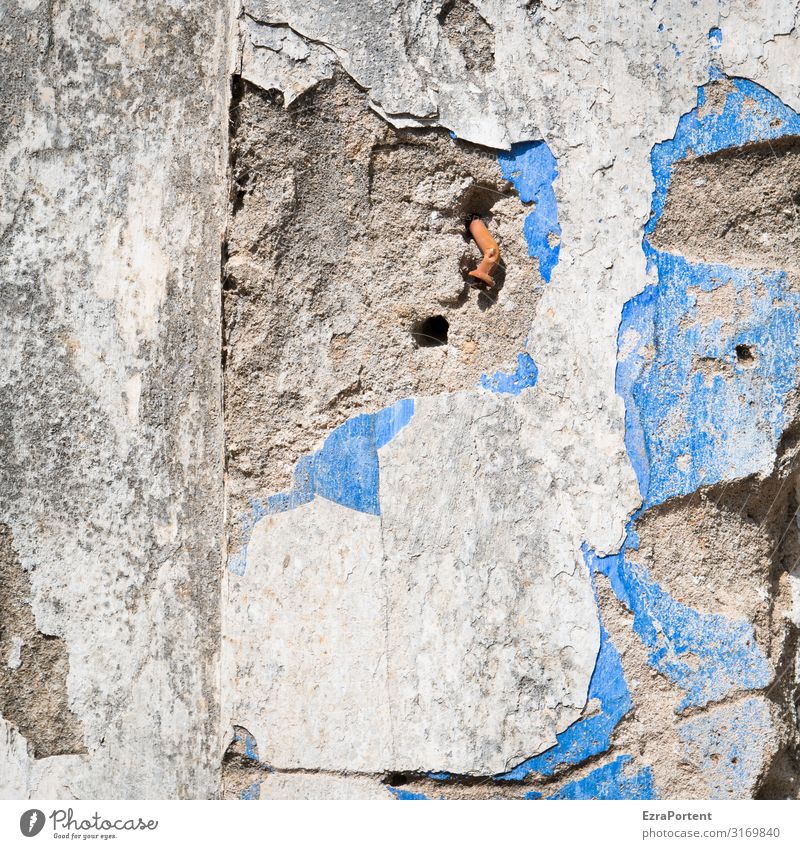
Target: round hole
<point>430,332</point>
<point>745,356</point>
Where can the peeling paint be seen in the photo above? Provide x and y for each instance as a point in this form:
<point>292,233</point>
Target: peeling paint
<point>616,780</point>
<point>345,470</point>
<point>512,383</point>
<point>591,735</point>
<point>730,745</point>
<point>532,169</point>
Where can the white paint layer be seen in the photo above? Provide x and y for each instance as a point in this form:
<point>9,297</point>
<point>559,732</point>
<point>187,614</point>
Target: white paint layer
<point>456,632</point>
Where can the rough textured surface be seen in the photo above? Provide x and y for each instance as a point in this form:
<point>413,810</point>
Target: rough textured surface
<point>738,206</point>
<point>707,367</point>
<point>412,632</point>
<point>325,322</point>
<point>33,685</point>
<point>648,385</point>
<point>112,145</point>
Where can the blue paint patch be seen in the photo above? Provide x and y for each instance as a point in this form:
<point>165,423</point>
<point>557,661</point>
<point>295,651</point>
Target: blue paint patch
<point>512,383</point>
<point>611,781</point>
<point>250,745</point>
<point>531,167</point>
<point>705,654</point>
<point>345,470</point>
<point>590,735</point>
<point>715,38</point>
<point>439,776</point>
<point>685,429</point>
<point>532,794</point>
<point>252,792</point>
<point>750,114</point>
<point>728,746</point>
<point>407,795</point>
<point>688,426</point>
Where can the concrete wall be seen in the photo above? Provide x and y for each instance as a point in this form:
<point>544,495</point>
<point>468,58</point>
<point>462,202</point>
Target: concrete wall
<point>292,511</point>
<point>114,158</point>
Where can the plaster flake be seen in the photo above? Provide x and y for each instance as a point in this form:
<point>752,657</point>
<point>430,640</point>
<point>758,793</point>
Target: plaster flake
<point>487,671</point>
<point>609,700</point>
<point>23,777</point>
<point>276,57</point>
<point>305,641</point>
<point>14,658</point>
<point>412,608</point>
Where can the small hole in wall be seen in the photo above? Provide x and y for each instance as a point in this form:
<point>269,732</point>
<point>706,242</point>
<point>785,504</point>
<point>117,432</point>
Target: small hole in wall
<point>477,202</point>
<point>430,332</point>
<point>746,356</point>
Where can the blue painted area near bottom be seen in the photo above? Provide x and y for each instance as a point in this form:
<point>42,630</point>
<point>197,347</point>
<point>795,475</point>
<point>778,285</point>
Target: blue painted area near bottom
<point>611,781</point>
<point>345,470</point>
<point>728,744</point>
<point>591,735</point>
<point>512,383</point>
<point>406,795</point>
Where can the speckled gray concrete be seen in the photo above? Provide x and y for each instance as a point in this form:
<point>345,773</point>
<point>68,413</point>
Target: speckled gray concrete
<point>112,148</point>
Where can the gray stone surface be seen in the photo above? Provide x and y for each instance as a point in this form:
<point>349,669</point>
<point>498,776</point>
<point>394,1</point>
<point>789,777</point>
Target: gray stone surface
<point>112,146</point>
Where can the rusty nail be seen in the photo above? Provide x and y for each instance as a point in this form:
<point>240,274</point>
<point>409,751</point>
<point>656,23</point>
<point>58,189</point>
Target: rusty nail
<point>491,252</point>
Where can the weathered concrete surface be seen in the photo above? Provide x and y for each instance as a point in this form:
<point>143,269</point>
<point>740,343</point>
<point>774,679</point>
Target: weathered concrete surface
<point>33,686</point>
<point>112,145</point>
<point>114,151</point>
<point>743,209</point>
<point>244,776</point>
<point>327,321</point>
<point>622,82</point>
